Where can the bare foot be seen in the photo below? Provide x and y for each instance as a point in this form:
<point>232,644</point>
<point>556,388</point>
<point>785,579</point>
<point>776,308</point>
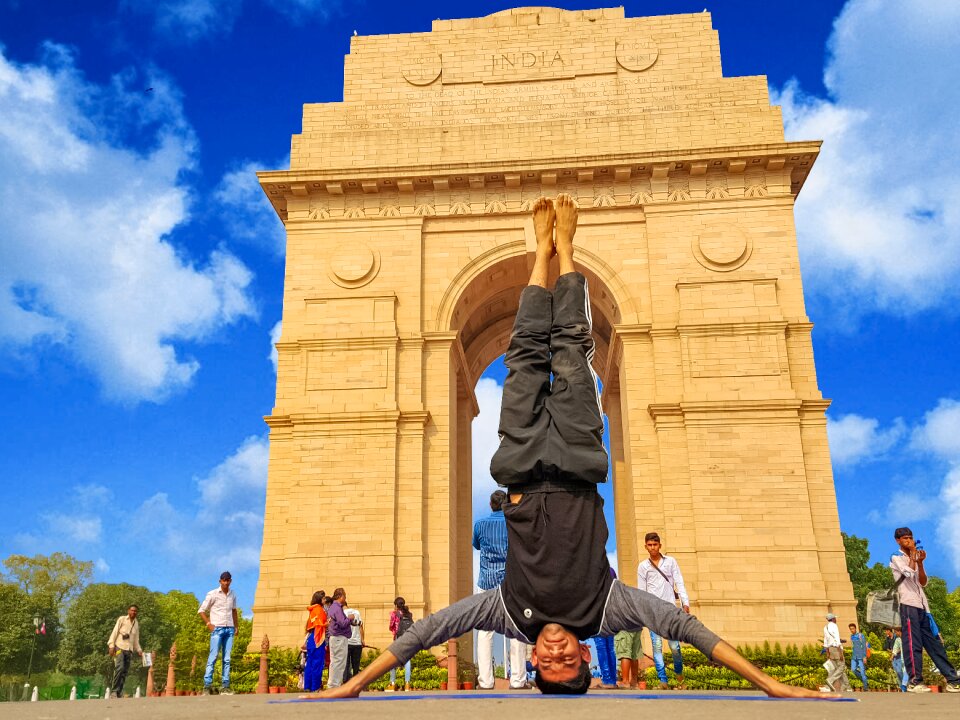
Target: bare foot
<point>566,227</point>
<point>543,218</point>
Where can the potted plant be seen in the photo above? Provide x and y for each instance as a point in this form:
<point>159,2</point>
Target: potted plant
<point>466,674</point>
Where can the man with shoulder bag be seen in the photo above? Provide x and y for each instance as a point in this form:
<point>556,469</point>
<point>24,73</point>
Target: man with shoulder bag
<point>660,575</point>
<point>123,642</point>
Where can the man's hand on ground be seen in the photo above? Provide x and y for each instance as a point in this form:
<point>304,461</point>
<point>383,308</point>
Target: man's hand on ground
<point>347,690</point>
<point>781,690</point>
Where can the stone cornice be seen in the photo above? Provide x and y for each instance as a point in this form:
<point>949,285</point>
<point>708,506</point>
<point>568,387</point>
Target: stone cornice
<point>719,412</point>
<point>603,181</point>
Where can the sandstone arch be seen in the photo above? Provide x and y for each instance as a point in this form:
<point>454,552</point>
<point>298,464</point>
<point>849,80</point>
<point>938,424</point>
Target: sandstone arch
<point>408,241</point>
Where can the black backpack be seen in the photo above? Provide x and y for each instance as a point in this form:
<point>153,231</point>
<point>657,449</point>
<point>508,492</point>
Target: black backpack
<point>406,622</point>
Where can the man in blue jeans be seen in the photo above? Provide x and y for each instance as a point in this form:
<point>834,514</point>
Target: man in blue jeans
<point>219,613</point>
<point>858,661</point>
<point>660,575</point>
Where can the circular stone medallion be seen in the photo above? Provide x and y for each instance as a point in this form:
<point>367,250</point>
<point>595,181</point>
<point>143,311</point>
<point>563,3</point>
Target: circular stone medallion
<point>636,54</point>
<point>722,247</point>
<point>421,69</point>
<point>354,267</point>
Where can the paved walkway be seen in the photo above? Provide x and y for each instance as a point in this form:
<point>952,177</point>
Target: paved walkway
<point>528,705</point>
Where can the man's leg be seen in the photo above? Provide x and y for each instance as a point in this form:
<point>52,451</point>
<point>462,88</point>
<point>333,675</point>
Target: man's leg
<point>227,652</point>
<point>576,437</point>
<point>523,424</point>
<point>608,670</point>
<point>518,664</point>
<point>121,663</point>
<point>677,660</point>
<point>910,619</point>
<point>338,660</point>
<point>935,649</point>
<point>212,657</point>
<point>657,643</point>
<point>485,659</point>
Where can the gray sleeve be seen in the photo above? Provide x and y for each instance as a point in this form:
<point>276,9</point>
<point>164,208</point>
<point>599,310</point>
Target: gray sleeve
<point>483,611</point>
<point>630,609</point>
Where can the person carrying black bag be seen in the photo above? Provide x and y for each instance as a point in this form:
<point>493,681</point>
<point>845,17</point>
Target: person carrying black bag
<point>123,642</point>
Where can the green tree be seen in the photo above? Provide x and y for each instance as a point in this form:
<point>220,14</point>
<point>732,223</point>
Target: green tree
<point>944,611</point>
<point>58,576</point>
<point>865,578</point>
<point>90,620</point>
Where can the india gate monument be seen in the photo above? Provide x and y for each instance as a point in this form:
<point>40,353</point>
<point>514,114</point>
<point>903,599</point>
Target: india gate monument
<point>409,239</point>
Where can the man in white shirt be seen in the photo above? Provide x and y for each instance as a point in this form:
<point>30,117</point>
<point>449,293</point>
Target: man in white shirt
<point>219,612</point>
<point>660,575</point>
<point>354,644</point>
<point>833,644</point>
<point>911,578</point>
<point>123,642</point>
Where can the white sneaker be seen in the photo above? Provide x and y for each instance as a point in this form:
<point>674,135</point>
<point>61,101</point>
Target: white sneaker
<point>826,689</point>
<point>953,687</point>
<point>918,688</point>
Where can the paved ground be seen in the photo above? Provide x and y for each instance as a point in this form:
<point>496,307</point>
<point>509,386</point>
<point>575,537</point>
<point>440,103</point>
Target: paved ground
<point>618,705</point>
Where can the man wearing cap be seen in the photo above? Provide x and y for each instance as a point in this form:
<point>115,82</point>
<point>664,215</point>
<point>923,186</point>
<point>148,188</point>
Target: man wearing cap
<point>911,578</point>
<point>832,643</point>
<point>219,612</point>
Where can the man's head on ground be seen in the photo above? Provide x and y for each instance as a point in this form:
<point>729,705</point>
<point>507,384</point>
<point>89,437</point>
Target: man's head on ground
<point>497,499</point>
<point>831,617</point>
<point>225,580</point>
<point>340,596</point>
<point>652,542</point>
<point>132,612</point>
<point>904,538</point>
<point>561,662</point>
<point>318,597</point>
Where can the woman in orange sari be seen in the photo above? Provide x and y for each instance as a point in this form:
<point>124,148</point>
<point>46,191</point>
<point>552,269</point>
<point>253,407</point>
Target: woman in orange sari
<point>315,643</point>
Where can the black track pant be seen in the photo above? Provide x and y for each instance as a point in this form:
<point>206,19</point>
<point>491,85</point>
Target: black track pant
<point>551,431</point>
<point>917,637</point>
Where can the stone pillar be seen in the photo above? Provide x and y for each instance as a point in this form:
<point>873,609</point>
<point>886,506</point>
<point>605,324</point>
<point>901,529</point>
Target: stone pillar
<point>263,681</point>
<point>171,688</point>
<point>150,690</point>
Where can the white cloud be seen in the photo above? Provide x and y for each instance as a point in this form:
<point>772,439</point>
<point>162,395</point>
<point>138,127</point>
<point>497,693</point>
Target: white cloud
<point>76,529</point>
<point>905,508</point>
<point>245,211</point>
<point>301,10</point>
<point>90,188</point>
<point>877,220</point>
<point>228,516</point>
<point>102,566</point>
<point>187,20</point>
<point>855,439</point>
<point>274,339</point>
<point>485,442</point>
<point>940,431</point>
<point>939,435</point>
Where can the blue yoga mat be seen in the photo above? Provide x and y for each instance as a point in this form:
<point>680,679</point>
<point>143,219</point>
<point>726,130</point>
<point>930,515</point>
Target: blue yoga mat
<point>387,697</point>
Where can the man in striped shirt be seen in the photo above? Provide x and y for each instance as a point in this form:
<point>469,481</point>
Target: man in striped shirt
<point>490,538</point>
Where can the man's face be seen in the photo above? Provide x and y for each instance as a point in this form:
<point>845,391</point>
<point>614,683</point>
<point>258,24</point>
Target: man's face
<point>906,543</point>
<point>557,654</point>
<point>653,547</point>
<point>132,613</point>
<point>853,629</point>
<point>225,585</point>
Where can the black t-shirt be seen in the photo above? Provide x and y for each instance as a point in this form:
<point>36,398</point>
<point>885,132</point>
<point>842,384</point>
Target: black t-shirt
<point>557,568</point>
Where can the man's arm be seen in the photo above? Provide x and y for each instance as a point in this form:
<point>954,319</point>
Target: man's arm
<point>483,611</point>
<point>476,536</point>
<point>112,642</point>
<point>202,612</point>
<point>236,621</point>
<point>628,608</point>
<point>681,588</point>
<point>135,637</point>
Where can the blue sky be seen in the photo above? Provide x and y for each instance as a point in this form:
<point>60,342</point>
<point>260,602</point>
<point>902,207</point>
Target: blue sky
<point>141,270</point>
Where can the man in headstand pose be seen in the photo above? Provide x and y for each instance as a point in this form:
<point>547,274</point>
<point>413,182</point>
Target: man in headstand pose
<point>557,590</point>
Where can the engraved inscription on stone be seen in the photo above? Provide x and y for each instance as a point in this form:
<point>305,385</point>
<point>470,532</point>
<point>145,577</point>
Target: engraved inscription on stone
<point>421,69</point>
<point>636,54</point>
